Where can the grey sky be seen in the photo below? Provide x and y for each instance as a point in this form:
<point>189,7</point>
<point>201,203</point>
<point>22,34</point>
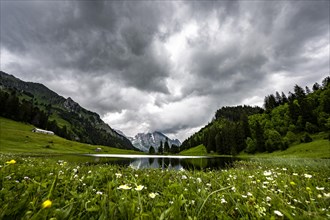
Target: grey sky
<point>165,65</point>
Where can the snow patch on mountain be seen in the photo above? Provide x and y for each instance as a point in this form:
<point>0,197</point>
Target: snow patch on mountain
<point>143,141</point>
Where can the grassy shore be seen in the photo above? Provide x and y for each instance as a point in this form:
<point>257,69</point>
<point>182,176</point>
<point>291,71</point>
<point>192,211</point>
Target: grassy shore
<point>17,137</point>
<point>316,149</point>
<point>199,150</point>
<point>319,148</point>
<point>42,188</point>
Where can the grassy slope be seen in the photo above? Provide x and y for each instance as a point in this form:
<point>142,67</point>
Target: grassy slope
<point>200,150</point>
<point>316,149</point>
<point>16,137</point>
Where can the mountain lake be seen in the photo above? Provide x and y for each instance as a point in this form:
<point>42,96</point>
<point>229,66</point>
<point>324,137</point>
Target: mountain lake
<point>151,161</point>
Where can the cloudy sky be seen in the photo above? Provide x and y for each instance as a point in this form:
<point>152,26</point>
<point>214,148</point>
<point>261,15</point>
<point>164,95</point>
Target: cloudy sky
<point>165,65</point>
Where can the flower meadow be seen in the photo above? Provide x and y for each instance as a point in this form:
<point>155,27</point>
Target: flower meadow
<point>44,188</point>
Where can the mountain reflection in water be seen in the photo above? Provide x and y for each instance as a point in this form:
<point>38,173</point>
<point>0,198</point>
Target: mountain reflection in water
<point>165,162</point>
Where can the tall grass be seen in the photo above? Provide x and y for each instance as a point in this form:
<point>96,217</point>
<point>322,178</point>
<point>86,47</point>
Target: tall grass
<point>255,189</point>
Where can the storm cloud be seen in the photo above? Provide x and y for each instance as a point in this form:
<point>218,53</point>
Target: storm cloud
<point>165,65</point>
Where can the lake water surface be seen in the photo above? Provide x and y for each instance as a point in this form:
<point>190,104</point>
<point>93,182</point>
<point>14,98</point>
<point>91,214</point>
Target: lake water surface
<point>156,161</point>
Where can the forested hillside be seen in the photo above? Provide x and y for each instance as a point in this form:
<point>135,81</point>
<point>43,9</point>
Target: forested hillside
<point>36,104</point>
<point>285,119</point>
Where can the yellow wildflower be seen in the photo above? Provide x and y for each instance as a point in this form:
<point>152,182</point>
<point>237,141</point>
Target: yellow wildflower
<point>11,162</point>
<point>46,204</point>
<point>293,183</point>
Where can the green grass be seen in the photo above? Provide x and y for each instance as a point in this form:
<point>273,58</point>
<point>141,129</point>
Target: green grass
<point>199,150</point>
<point>255,189</point>
<point>317,149</point>
<point>16,137</point>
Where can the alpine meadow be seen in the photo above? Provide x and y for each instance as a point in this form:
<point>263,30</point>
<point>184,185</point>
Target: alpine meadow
<point>164,110</point>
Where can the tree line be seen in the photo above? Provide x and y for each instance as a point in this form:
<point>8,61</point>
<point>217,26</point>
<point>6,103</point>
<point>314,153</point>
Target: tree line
<point>284,120</point>
<point>165,148</point>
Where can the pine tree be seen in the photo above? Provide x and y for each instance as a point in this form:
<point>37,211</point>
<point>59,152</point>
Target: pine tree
<point>326,82</point>
<point>270,103</point>
<point>284,98</point>
<point>166,146</point>
<point>161,149</point>
<point>278,99</point>
<point>174,149</point>
<point>152,150</point>
<point>293,108</point>
<point>239,137</point>
<point>316,87</point>
<point>299,92</point>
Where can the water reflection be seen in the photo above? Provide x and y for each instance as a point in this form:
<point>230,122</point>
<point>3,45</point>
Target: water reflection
<point>167,162</point>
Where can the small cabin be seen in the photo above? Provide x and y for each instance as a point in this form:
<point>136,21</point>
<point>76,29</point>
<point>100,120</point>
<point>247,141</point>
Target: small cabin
<point>38,130</point>
<point>98,149</point>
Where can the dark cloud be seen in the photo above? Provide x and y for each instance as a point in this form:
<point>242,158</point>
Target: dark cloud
<point>113,39</point>
<point>272,37</point>
<point>165,65</point>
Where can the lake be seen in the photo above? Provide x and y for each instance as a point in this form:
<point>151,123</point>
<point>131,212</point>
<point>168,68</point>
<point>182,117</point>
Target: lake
<point>154,161</point>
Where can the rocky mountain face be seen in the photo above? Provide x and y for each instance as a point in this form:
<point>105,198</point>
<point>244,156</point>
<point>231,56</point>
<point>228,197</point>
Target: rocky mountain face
<point>143,141</point>
<point>71,120</point>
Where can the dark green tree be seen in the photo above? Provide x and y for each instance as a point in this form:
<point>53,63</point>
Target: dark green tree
<point>174,149</point>
<point>284,98</point>
<point>294,110</point>
<point>270,103</point>
<point>245,126</point>
<point>166,146</point>
<point>250,146</point>
<point>260,140</point>
<point>219,143</point>
<point>160,149</point>
<point>152,150</point>
<point>211,140</point>
<point>325,101</point>
<point>299,92</point>
<point>316,87</point>
<point>12,106</point>
<point>326,82</point>
<point>278,98</point>
<point>239,138</point>
<point>274,140</point>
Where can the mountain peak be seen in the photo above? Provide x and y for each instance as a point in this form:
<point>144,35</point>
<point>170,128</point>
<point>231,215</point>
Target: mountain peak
<point>143,141</point>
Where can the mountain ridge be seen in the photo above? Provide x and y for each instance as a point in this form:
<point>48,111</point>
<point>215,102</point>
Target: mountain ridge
<point>63,114</point>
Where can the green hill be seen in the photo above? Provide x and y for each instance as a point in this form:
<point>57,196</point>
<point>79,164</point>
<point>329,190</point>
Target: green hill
<point>34,103</point>
<point>17,137</point>
<point>199,150</point>
<point>284,122</point>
